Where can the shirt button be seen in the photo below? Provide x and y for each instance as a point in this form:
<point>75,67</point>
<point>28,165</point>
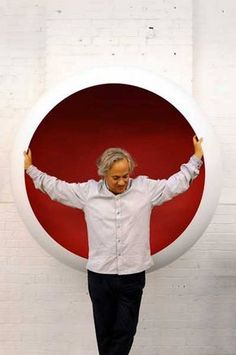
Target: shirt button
<point>118,212</point>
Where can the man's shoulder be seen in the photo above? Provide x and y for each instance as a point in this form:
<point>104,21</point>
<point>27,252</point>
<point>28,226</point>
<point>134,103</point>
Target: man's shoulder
<point>140,180</point>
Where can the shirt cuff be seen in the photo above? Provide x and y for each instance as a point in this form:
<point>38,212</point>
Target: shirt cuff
<point>196,161</point>
<point>29,169</point>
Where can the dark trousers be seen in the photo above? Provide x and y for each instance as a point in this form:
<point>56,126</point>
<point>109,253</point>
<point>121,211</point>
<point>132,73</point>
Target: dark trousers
<point>116,301</point>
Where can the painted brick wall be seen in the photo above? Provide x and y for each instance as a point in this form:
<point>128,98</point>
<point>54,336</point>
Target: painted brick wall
<point>189,306</point>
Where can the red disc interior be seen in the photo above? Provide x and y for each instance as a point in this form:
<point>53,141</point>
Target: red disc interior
<point>75,132</point>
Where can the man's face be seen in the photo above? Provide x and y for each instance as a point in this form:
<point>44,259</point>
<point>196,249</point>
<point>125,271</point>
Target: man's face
<point>117,177</point>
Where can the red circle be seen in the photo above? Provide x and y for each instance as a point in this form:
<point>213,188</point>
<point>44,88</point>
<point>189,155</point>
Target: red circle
<point>75,132</point>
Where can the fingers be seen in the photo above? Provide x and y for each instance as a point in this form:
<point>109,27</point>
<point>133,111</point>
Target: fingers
<point>196,140</point>
<point>27,153</point>
<point>197,143</point>
<point>27,159</point>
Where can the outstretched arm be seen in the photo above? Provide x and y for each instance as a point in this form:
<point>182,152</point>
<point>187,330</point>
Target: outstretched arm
<point>70,194</point>
<point>165,189</point>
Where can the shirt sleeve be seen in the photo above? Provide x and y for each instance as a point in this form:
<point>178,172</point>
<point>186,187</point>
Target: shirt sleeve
<point>165,189</point>
<point>69,194</point>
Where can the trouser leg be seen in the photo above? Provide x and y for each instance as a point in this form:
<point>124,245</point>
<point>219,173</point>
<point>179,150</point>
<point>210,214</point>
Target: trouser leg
<point>130,295</point>
<point>104,304</point>
<point>116,302</point>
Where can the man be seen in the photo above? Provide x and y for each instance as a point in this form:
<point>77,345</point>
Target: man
<point>117,210</point>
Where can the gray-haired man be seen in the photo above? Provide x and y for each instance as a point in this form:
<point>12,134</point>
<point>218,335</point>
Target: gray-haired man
<point>117,210</point>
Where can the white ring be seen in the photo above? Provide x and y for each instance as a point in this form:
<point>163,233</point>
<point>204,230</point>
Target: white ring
<point>146,80</point>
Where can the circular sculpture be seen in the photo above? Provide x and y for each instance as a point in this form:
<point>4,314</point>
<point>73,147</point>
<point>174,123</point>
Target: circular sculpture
<point>127,107</point>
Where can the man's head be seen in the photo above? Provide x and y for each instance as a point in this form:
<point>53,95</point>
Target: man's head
<point>115,166</point>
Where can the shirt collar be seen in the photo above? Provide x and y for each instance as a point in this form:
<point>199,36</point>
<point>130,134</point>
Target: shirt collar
<point>106,188</point>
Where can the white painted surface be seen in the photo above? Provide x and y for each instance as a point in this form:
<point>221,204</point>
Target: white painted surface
<point>146,80</point>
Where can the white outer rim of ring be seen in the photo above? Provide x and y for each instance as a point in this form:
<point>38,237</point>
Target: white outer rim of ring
<point>140,78</point>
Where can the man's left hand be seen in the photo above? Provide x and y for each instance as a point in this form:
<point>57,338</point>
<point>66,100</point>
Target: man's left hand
<point>198,147</point>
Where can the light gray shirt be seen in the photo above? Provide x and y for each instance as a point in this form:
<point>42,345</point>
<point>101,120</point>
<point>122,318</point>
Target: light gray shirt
<point>118,225</point>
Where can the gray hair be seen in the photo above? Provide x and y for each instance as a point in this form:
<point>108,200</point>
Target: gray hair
<point>110,156</point>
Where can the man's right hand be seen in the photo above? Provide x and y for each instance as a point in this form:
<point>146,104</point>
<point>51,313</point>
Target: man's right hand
<point>28,159</point>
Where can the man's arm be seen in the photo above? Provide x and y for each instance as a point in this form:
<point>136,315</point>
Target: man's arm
<point>70,194</point>
<point>165,189</point>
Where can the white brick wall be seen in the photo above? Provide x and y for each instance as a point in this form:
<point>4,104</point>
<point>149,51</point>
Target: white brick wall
<point>188,307</point>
